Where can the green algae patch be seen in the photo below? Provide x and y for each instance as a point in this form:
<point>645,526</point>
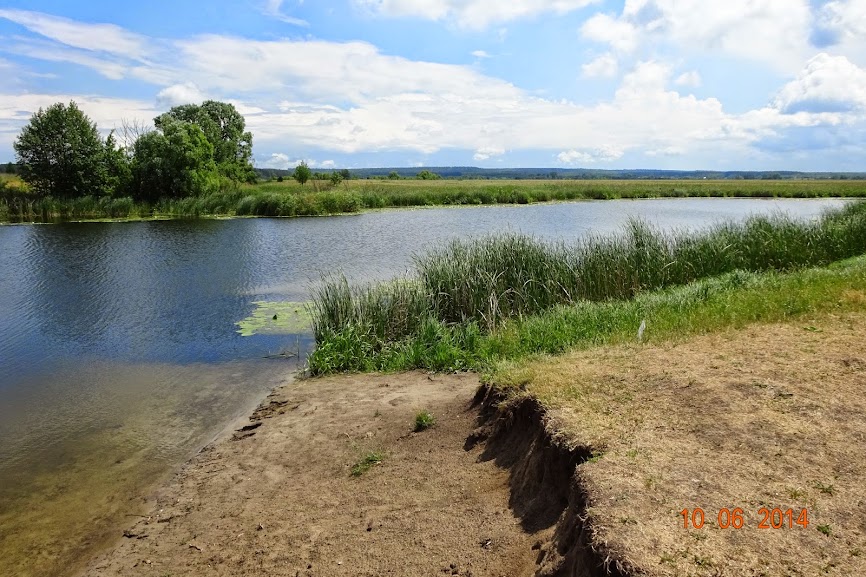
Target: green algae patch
<point>276,318</point>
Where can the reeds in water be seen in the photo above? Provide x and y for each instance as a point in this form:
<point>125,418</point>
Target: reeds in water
<point>483,282</point>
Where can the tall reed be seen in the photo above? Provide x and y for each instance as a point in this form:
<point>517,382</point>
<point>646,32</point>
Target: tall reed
<point>488,280</point>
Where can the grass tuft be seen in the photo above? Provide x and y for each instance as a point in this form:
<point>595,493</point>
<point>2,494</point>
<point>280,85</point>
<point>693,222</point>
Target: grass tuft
<point>367,462</point>
<point>424,420</point>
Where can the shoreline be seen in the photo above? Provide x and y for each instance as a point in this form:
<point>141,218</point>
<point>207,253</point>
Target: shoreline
<point>286,200</point>
<point>517,479</point>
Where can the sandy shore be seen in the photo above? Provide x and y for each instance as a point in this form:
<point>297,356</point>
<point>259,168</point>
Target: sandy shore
<point>279,498</point>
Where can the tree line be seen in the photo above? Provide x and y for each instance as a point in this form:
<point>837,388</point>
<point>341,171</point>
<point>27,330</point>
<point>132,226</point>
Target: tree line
<point>192,150</point>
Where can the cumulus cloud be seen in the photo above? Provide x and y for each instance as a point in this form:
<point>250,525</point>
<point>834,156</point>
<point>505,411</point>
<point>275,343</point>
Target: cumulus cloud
<point>473,14</point>
<point>589,156</point>
<point>826,84</point>
<point>278,160</point>
<point>775,32</point>
<point>177,94</point>
<point>349,97</point>
<point>605,66</point>
<point>621,34</point>
<point>488,152</point>
<point>282,161</point>
<point>480,54</point>
<point>692,79</point>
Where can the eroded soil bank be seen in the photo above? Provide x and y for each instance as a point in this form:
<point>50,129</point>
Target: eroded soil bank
<point>279,498</point>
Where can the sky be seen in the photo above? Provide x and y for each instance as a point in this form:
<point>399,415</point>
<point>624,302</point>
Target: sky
<point>667,84</point>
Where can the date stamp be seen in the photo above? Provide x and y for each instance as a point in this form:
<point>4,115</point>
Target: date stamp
<point>736,518</point>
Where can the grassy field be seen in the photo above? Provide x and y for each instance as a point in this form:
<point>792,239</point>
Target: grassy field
<point>321,197</point>
<point>462,304</point>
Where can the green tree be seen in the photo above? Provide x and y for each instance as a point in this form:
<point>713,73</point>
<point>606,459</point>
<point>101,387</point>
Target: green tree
<point>302,173</point>
<point>346,174</point>
<point>118,167</point>
<point>11,168</point>
<point>174,161</point>
<point>336,178</point>
<point>224,127</point>
<point>427,175</point>
<point>61,154</point>
<point>394,175</point>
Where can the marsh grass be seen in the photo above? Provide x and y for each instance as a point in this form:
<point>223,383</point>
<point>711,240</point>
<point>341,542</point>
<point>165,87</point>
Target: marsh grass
<point>508,296</point>
<point>287,199</point>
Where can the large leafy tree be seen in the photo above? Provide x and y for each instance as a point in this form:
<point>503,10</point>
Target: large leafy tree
<point>61,154</point>
<point>224,127</point>
<point>175,161</point>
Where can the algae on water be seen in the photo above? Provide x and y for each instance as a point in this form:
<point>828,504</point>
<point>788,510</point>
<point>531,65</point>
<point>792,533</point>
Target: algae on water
<point>276,318</point>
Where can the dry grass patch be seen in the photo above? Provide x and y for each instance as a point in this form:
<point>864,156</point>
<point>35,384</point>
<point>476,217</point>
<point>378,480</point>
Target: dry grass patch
<point>767,416</point>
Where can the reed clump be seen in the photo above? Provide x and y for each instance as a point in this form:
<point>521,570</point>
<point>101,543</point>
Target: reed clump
<point>478,285</point>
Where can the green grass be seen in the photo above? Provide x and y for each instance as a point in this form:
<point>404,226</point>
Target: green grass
<point>733,299</point>
<point>468,290</point>
<point>424,420</point>
<point>367,462</point>
<point>322,197</point>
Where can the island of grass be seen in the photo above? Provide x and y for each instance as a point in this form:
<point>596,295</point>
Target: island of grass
<point>726,440</point>
<point>323,197</point>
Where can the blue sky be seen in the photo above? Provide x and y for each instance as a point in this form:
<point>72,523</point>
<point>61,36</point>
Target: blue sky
<point>680,84</point>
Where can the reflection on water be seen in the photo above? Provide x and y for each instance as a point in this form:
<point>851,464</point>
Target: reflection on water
<point>119,353</point>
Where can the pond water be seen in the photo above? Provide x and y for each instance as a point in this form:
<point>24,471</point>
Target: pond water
<point>119,353</point>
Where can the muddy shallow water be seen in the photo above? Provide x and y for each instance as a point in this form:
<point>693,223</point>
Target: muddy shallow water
<point>119,353</point>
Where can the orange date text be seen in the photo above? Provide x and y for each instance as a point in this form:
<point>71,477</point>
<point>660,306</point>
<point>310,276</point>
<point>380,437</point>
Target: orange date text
<point>736,518</point>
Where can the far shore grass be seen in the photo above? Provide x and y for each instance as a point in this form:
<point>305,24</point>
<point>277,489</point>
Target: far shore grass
<point>288,198</point>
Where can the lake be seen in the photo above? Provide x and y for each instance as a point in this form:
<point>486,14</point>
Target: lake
<point>120,356</point>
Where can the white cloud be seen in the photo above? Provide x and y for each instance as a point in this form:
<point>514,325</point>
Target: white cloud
<point>93,37</point>
<point>106,65</point>
<point>619,33</point>
<point>692,79</point>
<point>273,8</point>
<point>279,161</point>
<point>775,32</point>
<point>349,98</point>
<point>589,156</point>
<point>480,54</point>
<point>472,14</point>
<point>826,84</point>
<point>177,94</point>
<point>846,18</point>
<point>605,66</point>
<point>488,152</point>
<point>282,161</point>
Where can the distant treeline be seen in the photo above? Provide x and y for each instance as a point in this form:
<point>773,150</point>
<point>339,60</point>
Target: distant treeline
<point>471,172</point>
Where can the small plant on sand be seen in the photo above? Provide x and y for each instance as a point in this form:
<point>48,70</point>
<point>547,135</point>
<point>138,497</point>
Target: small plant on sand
<point>825,529</point>
<point>367,462</point>
<point>825,489</point>
<point>424,420</point>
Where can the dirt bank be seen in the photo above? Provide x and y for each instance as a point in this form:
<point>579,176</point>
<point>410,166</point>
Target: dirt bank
<point>280,499</point>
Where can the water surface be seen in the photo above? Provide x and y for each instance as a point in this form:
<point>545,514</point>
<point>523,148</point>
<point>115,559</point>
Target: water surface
<point>119,355</point>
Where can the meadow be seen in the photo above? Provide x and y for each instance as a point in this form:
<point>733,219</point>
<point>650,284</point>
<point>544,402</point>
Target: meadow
<point>319,197</point>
